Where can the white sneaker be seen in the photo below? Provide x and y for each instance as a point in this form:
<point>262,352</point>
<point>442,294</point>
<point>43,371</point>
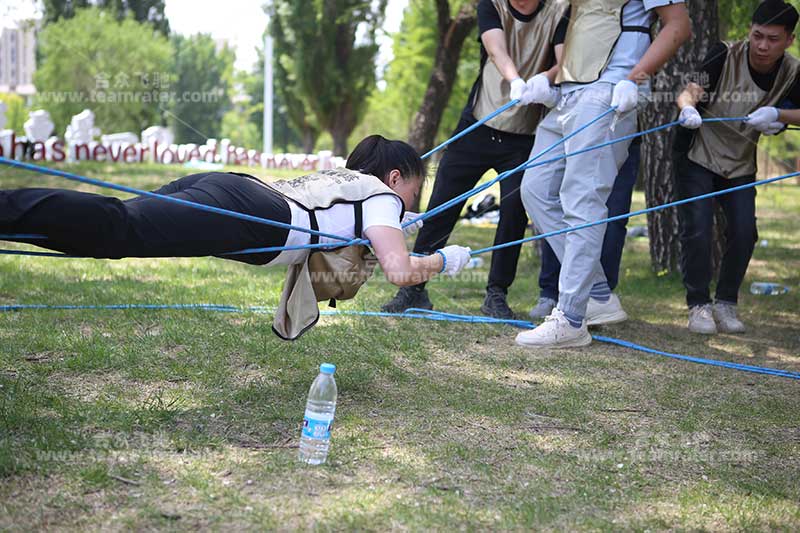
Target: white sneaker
<point>725,316</point>
<point>701,320</point>
<point>555,332</point>
<point>610,312</point>
<point>543,308</point>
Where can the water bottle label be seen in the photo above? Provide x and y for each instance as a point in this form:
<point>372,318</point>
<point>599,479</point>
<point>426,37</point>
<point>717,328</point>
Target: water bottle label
<point>317,429</point>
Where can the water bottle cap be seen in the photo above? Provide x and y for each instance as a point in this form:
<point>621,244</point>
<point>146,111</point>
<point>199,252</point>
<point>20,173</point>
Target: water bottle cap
<point>327,368</point>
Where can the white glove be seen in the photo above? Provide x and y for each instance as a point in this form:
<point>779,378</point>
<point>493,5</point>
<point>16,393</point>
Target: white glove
<point>774,128</point>
<point>517,88</point>
<point>539,91</point>
<point>625,97</point>
<point>762,118</point>
<point>413,228</point>
<point>690,118</point>
<point>455,259</point>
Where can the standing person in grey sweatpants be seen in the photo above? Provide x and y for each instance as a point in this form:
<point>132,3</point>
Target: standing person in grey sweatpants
<point>607,55</point>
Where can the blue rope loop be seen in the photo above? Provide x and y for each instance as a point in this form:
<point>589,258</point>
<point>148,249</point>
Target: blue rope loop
<point>412,313</point>
<point>472,192</point>
<point>348,242</point>
<point>464,132</point>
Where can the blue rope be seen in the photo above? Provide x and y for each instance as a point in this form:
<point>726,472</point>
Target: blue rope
<point>414,313</point>
<point>150,194</point>
<point>636,213</point>
<point>478,124</point>
<point>21,236</point>
<point>528,164</point>
<point>472,192</point>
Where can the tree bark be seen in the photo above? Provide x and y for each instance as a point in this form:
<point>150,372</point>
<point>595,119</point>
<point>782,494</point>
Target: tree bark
<point>309,139</point>
<point>452,33</point>
<point>657,164</point>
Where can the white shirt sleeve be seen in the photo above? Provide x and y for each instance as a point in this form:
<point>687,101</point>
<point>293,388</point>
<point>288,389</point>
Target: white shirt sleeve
<point>382,210</point>
<point>649,5</point>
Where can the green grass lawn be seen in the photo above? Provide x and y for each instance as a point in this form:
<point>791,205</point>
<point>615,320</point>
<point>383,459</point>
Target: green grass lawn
<point>180,420</point>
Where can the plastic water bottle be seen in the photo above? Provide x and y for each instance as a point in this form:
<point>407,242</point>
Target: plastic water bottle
<point>763,287</point>
<point>320,407</point>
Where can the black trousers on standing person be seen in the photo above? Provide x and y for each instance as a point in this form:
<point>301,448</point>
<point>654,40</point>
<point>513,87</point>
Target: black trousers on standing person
<point>461,167</point>
<point>696,232</point>
<point>104,227</point>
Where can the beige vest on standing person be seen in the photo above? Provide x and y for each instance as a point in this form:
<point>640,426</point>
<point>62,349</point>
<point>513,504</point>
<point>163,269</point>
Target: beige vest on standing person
<point>528,45</point>
<point>729,148</point>
<point>593,31</point>
<point>325,275</point>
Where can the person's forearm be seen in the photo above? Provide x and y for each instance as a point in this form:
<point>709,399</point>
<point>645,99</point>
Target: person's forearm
<point>505,66</point>
<point>420,270</point>
<point>494,41</point>
<point>789,116</point>
<point>690,96</point>
<point>552,73</point>
<point>665,45</point>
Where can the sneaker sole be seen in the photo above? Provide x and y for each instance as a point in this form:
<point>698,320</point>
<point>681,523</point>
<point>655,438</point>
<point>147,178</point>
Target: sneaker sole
<point>487,313</point>
<point>572,343</point>
<point>702,331</point>
<point>385,310</point>
<point>607,318</point>
<point>732,331</point>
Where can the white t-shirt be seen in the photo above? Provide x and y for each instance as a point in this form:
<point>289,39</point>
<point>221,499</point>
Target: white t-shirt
<point>339,219</point>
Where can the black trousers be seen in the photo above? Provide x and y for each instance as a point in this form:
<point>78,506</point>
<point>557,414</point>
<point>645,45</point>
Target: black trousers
<point>696,220</point>
<point>463,164</point>
<point>103,227</point>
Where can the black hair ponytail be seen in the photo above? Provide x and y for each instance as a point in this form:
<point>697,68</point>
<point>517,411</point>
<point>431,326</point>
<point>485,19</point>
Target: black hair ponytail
<point>377,156</point>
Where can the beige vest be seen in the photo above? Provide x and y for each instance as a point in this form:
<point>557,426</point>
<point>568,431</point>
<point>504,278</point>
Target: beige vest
<point>333,274</point>
<point>593,31</point>
<point>729,148</point>
<point>528,45</point>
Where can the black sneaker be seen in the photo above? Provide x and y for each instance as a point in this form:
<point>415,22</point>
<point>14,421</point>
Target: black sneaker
<point>406,298</point>
<point>495,305</point>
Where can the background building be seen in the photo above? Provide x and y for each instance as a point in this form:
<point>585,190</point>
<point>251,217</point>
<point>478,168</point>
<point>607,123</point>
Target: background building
<point>17,57</point>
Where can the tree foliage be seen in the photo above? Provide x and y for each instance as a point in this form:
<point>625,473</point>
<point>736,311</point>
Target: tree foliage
<point>148,11</point>
<point>94,61</point>
<point>391,111</point>
<point>16,114</point>
<point>286,136</point>
<point>201,79</point>
<point>329,47</point>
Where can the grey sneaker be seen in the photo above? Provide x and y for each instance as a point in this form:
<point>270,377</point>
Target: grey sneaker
<point>701,320</point>
<point>495,304</point>
<point>543,308</point>
<point>406,298</point>
<point>725,316</point>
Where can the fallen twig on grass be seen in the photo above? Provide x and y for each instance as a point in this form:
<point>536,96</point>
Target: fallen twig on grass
<point>124,480</point>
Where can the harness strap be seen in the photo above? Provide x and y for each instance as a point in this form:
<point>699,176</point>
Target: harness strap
<point>637,29</point>
<point>358,213</point>
<point>312,220</point>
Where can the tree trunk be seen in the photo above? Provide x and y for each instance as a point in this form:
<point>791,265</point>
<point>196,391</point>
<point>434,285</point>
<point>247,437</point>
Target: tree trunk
<point>309,139</point>
<point>344,122</point>
<point>657,167</point>
<point>452,33</point>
